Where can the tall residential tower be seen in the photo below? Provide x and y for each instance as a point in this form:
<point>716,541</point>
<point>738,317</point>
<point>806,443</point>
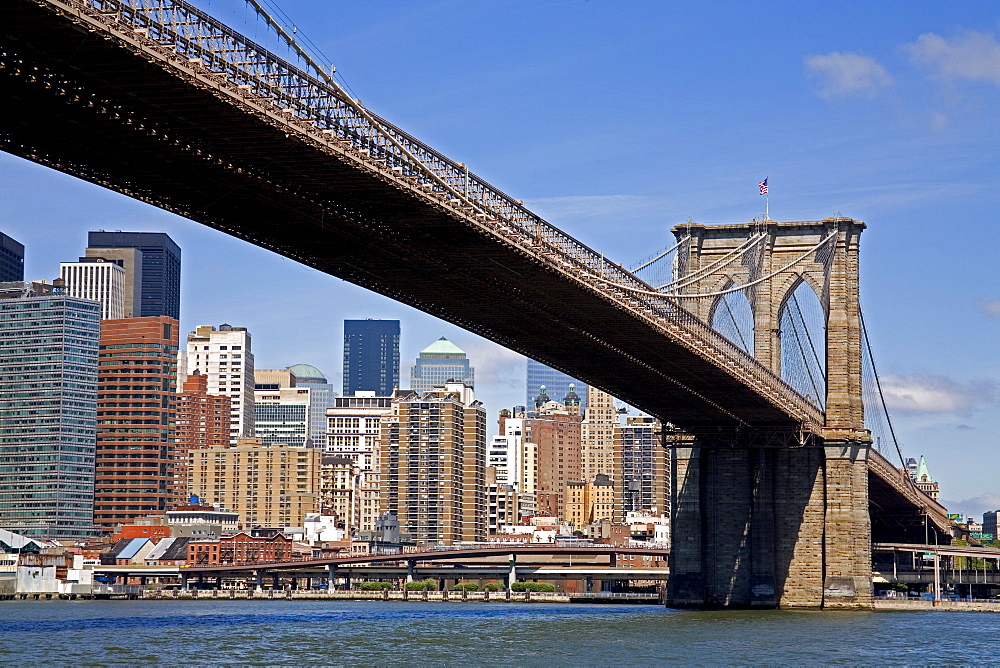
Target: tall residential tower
<point>136,408</point>
<point>224,357</point>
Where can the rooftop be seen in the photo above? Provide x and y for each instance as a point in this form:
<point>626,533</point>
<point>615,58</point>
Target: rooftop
<point>442,348</point>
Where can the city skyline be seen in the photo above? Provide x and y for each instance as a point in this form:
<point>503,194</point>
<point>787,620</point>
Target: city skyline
<point>891,122</point>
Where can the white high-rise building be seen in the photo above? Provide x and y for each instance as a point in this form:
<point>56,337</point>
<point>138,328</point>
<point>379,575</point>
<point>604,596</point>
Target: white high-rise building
<point>130,259</point>
<point>513,455</point>
<point>99,279</point>
<point>224,356</point>
<point>354,435</point>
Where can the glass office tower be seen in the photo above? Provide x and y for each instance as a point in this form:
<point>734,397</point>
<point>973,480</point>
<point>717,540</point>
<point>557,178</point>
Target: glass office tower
<point>48,411</point>
<point>371,356</point>
<point>556,384</point>
<point>439,363</point>
<point>11,259</point>
<point>161,269</point>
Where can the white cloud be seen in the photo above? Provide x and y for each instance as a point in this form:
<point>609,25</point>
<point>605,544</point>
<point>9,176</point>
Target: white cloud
<point>936,394</point>
<point>992,307</point>
<point>847,75</point>
<point>972,55</point>
<point>496,366</point>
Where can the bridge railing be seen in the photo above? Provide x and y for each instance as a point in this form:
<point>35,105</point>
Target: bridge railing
<point>205,42</point>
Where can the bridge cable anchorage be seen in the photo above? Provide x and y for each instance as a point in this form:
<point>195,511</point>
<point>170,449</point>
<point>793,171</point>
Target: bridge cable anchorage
<point>359,108</point>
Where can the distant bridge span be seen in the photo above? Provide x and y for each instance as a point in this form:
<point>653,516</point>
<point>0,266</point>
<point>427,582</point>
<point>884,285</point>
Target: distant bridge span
<point>516,550</point>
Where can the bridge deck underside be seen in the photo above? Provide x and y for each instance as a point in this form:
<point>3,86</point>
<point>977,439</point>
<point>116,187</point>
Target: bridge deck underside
<point>136,127</point>
<point>901,513</point>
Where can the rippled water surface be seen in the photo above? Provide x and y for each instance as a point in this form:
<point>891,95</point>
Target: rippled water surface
<point>388,633</point>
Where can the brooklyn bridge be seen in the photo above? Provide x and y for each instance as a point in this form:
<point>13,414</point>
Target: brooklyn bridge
<point>778,491</point>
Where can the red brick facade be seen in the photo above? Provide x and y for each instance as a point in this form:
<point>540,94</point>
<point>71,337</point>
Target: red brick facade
<point>202,422</point>
<point>557,438</point>
<point>245,549</point>
<point>135,419</point>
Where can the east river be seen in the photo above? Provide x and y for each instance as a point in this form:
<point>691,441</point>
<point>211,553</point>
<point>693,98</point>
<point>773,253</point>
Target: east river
<point>503,634</point>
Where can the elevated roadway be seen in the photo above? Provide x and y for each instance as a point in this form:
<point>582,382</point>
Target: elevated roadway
<point>157,101</point>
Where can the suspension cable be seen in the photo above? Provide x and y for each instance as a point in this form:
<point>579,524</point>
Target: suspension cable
<point>661,255</point>
<point>878,385</point>
<point>658,293</point>
<point>802,352</point>
<point>356,105</point>
<point>693,277</point>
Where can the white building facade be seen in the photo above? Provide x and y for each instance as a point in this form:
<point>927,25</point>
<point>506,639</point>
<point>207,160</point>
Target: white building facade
<point>225,357</point>
<point>354,432</point>
<point>97,279</point>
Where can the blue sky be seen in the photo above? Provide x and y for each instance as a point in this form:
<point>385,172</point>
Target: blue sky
<point>616,121</point>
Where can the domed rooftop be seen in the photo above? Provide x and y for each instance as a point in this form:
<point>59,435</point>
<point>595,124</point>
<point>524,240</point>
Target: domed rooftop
<point>307,373</point>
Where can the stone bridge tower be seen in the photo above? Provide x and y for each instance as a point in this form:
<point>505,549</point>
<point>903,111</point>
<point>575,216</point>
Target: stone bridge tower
<point>772,519</point>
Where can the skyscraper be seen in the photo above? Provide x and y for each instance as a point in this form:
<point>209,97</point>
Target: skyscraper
<point>130,260</point>
<point>599,421</point>
<point>353,438</point>
<point>224,356</point>
<point>371,356</point>
<point>556,383</point>
<point>433,460</point>
<point>135,419</point>
<point>161,268</point>
<point>642,480</point>
<point>48,411</point>
<point>11,259</point>
<point>439,363</point>
<point>99,279</point>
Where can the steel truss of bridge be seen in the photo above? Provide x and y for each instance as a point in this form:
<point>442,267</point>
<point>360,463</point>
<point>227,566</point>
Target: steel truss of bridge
<point>156,100</point>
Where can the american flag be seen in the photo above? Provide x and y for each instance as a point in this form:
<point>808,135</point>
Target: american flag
<point>763,187</point>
